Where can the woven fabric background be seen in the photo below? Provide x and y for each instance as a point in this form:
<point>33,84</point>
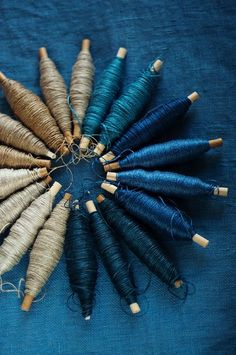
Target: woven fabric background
<point>196,40</point>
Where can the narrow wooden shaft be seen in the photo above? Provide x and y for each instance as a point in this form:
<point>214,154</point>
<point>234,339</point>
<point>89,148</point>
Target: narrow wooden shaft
<point>85,44</point>
<point>55,188</point>
<point>107,157</point>
<point>43,53</point>
<point>214,143</point>
<point>76,130</point>
<point>47,180</point>
<point>43,172</point>
<point>157,65</point>
<point>178,283</point>
<point>84,143</point>
<point>203,242</point>
<point>27,302</point>
<point>2,77</point>
<point>121,53</point>
<point>99,149</point>
<point>194,96</point>
<point>111,176</point>
<point>221,191</point>
<point>100,198</point>
<point>43,163</point>
<point>90,206</point>
<point>109,187</point>
<point>68,137</point>
<point>67,196</point>
<point>134,308</point>
<point>112,166</point>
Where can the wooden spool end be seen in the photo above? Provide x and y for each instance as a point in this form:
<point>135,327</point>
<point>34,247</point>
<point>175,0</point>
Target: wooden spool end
<point>43,172</point>
<point>76,130</point>
<point>43,53</point>
<point>90,206</point>
<point>67,196</point>
<point>178,283</point>
<point>100,198</point>
<point>203,242</point>
<point>84,143</point>
<point>111,176</point>
<point>85,44</point>
<point>47,180</point>
<point>99,149</point>
<point>87,318</point>
<point>64,150</point>
<point>112,166</point>
<point>121,53</point>
<point>194,96</point>
<point>2,77</point>
<point>43,163</point>
<point>157,65</point>
<point>135,308</point>
<point>107,157</point>
<point>221,191</point>
<point>215,143</point>
<point>56,187</point>
<point>51,155</point>
<point>109,187</point>
<point>68,137</point>
<point>27,302</point>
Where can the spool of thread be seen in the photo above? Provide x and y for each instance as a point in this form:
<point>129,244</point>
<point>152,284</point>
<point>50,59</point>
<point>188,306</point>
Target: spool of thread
<point>139,242</point>
<point>13,206</point>
<point>33,113</point>
<point>164,154</point>
<point>104,94</point>
<point>24,231</point>
<point>46,252</point>
<point>55,93</point>
<point>14,134</point>
<point>81,260</point>
<point>158,215</point>
<point>167,183</point>
<point>112,257</point>
<point>128,107</point>
<point>155,124</point>
<point>81,85</point>
<point>12,158</point>
<point>12,180</point>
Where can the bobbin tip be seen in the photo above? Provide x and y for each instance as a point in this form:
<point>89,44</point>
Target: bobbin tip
<point>135,308</point>
<point>64,150</point>
<point>178,283</point>
<point>215,143</point>
<point>43,53</point>
<point>194,96</point>
<point>99,149</point>
<point>43,163</point>
<point>121,53</point>
<point>87,318</point>
<point>203,242</point>
<point>111,176</point>
<point>107,157</point>
<point>27,302</point>
<point>221,191</point>
<point>90,206</point>
<point>47,180</point>
<point>84,143</point>
<point>109,187</point>
<point>100,198</point>
<point>43,172</point>
<point>112,166</point>
<point>76,130</point>
<point>157,65</point>
<point>2,77</point>
<point>51,155</point>
<point>67,196</point>
<point>68,137</point>
<point>55,188</point>
<point>85,44</point>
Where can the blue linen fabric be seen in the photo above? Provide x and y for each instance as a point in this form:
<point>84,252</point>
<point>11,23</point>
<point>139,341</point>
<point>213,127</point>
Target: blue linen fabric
<point>196,41</point>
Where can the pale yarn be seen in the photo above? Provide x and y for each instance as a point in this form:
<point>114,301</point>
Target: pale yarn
<point>14,134</point>
<point>47,249</point>
<point>24,231</point>
<point>11,208</point>
<point>12,180</point>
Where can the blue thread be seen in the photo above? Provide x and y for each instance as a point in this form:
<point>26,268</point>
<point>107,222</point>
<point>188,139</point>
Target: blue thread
<point>166,183</point>
<point>74,113</point>
<point>81,260</point>
<point>104,94</point>
<point>154,124</point>
<point>128,106</point>
<point>139,242</point>
<point>113,258</point>
<point>168,153</point>
<point>161,217</point>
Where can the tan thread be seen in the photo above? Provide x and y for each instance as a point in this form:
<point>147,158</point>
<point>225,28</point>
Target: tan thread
<point>55,93</point>
<point>47,249</point>
<point>33,113</point>
<point>11,208</point>
<point>12,180</point>
<point>14,134</point>
<point>12,158</point>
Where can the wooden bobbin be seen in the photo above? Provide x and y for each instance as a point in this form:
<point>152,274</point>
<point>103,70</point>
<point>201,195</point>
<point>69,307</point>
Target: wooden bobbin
<point>107,157</point>
<point>157,65</point>
<point>76,130</point>
<point>56,187</point>
<point>51,155</point>
<point>2,77</point>
<point>85,44</point>
<point>109,187</point>
<point>43,53</point>
<point>47,180</point>
<point>111,176</point>
<point>99,149</point>
<point>100,198</point>
<point>90,206</point>
<point>112,166</point>
<point>134,308</point>
<point>67,196</point>
<point>178,283</point>
<point>27,302</point>
<point>68,137</point>
<point>203,242</point>
<point>194,96</point>
<point>84,143</point>
<point>221,191</point>
<point>64,150</point>
<point>43,172</point>
<point>43,163</point>
<point>121,53</point>
<point>215,143</point>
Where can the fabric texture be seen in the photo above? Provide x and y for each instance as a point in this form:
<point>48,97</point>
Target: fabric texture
<point>195,39</point>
